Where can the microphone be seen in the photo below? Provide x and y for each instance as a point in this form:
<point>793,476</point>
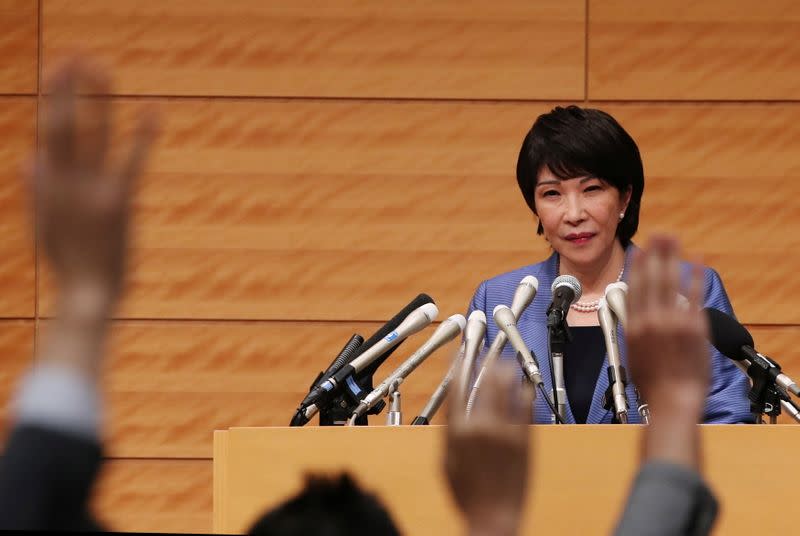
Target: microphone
<point>615,295</point>
<point>437,397</point>
<point>566,289</point>
<point>473,342</point>
<point>505,320</point>
<point>391,334</point>
<point>616,373</point>
<point>523,296</point>
<point>734,341</point>
<point>446,332</point>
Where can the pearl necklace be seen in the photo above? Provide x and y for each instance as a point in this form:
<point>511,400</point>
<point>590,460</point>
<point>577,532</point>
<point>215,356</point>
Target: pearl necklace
<point>592,306</point>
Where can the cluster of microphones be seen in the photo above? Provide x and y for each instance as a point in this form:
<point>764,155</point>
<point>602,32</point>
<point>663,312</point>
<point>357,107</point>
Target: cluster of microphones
<point>344,393</point>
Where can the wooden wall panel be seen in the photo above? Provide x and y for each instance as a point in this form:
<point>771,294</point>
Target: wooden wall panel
<point>724,177</point>
<point>327,210</point>
<point>19,46</point>
<point>688,50</point>
<point>16,349</point>
<point>164,496</point>
<point>454,49</point>
<point>171,384</point>
<point>17,272</point>
<point>346,210</point>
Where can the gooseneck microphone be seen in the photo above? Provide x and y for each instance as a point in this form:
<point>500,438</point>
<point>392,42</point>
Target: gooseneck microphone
<point>734,341</point>
<point>523,296</point>
<point>474,336</point>
<point>507,323</point>
<point>615,296</point>
<point>372,352</point>
<point>446,332</point>
<point>616,373</point>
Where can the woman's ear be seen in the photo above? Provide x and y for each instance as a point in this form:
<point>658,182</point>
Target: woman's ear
<point>625,198</point>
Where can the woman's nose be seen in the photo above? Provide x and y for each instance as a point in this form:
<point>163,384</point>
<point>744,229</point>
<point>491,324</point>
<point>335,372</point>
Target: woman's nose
<point>575,210</point>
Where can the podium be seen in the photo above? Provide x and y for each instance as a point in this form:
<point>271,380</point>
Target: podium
<point>574,487</point>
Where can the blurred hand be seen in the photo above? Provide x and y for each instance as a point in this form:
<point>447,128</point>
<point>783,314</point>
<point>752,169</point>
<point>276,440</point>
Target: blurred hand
<point>668,353</point>
<point>82,199</point>
<point>486,455</point>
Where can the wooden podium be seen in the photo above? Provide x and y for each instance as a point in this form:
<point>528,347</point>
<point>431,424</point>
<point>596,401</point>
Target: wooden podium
<point>579,479</point>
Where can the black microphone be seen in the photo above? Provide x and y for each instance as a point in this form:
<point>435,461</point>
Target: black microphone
<point>348,353</point>
<point>734,341</point>
<point>566,289</point>
<point>322,394</point>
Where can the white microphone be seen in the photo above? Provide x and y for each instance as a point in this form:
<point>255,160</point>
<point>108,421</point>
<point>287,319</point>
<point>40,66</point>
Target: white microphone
<point>418,320</point>
<point>507,322</point>
<point>616,295</point>
<point>523,296</point>
<point>446,332</point>
<point>473,342</point>
<point>617,379</point>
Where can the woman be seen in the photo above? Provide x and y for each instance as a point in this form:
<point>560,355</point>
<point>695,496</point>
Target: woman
<point>581,175</point>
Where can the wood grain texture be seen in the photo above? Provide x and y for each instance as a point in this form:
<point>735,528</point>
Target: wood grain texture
<point>16,349</point>
<point>19,46</point>
<point>724,179</point>
<point>171,384</point>
<point>326,210</point>
<point>17,272</point>
<point>686,50</point>
<point>447,49</point>
<point>164,496</point>
<point>346,210</point>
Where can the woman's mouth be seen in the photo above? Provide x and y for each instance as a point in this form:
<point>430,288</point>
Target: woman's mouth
<point>580,238</point>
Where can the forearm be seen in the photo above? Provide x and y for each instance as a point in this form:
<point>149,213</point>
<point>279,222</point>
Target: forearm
<point>673,435</point>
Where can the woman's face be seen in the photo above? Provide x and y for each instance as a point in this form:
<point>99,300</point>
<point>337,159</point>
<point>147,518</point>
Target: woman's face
<point>579,216</point>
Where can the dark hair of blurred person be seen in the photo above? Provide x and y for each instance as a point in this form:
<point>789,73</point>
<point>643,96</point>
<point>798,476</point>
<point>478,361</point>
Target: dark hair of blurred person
<point>328,506</point>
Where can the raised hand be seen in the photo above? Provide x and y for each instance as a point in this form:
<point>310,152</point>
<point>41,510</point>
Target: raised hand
<point>668,353</point>
<point>82,198</point>
<point>487,455</point>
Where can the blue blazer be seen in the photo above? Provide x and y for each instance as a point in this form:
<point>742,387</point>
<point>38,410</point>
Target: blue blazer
<point>727,400</point>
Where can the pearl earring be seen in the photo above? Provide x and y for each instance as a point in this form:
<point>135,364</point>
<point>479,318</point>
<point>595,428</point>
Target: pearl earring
<point>621,215</point>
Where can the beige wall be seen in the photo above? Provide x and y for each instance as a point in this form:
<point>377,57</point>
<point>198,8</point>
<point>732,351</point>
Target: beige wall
<point>321,164</point>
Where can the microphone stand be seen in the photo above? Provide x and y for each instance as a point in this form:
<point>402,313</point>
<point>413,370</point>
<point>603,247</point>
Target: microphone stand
<point>394,417</point>
<point>608,397</point>
<point>766,398</point>
<point>558,335</point>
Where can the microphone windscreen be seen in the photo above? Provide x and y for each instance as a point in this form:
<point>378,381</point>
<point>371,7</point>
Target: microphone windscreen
<point>570,282</point>
<point>727,334</point>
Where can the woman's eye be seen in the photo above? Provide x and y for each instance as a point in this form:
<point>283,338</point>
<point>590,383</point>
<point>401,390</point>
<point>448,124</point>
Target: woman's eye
<point>550,193</point>
<point>593,188</point>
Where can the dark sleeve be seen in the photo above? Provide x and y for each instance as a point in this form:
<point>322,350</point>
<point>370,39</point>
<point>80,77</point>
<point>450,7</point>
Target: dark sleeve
<point>46,478</point>
<point>668,500</point>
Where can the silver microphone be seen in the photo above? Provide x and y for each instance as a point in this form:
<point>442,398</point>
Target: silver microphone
<point>415,322</point>
<point>474,336</point>
<point>616,295</point>
<point>507,322</point>
<point>446,332</point>
<point>523,296</point>
<point>608,323</point>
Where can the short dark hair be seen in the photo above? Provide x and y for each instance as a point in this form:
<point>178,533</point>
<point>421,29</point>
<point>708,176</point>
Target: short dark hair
<point>575,142</point>
<point>327,507</point>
